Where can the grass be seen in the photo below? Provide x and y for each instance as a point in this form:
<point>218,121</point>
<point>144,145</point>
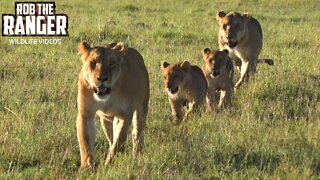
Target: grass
<point>272,130</point>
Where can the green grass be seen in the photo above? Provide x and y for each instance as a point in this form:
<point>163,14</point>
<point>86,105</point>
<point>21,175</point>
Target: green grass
<point>271,131</point>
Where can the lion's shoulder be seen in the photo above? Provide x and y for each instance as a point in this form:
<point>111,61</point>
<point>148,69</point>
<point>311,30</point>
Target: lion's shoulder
<point>254,23</point>
<point>198,75</point>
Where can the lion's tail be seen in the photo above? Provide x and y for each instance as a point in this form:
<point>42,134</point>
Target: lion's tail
<point>268,61</point>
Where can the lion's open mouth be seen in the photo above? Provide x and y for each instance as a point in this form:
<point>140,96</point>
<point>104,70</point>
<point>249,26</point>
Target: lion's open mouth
<point>232,44</point>
<point>102,90</point>
<point>214,73</point>
<point>173,90</point>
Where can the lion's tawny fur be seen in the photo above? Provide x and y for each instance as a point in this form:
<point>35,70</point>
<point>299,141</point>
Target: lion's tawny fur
<point>241,34</point>
<point>218,70</point>
<point>185,85</point>
<point>114,84</point>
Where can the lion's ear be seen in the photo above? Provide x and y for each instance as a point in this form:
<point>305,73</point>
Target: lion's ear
<point>111,45</point>
<point>226,51</point>
<point>220,15</point>
<point>206,52</point>
<point>121,47</point>
<point>165,65</point>
<point>185,65</point>
<point>84,50</point>
<point>246,16</point>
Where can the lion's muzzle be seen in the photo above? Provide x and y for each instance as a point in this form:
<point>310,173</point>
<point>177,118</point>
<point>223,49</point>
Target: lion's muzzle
<point>232,43</point>
<point>102,90</point>
<point>173,90</point>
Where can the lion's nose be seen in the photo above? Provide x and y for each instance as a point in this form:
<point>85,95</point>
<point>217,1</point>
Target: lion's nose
<point>230,37</point>
<point>215,73</point>
<point>102,78</point>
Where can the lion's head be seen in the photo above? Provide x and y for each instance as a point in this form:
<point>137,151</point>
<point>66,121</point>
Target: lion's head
<point>215,61</point>
<point>232,27</point>
<point>174,75</point>
<point>102,67</point>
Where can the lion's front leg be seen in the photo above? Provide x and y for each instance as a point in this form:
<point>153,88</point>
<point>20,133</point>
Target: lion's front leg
<point>107,126</point>
<point>222,99</point>
<point>237,61</point>
<point>211,100</point>
<point>191,107</point>
<point>244,74</point>
<point>86,133</point>
<point>229,92</point>
<point>176,108</point>
<point>120,133</point>
<point>139,123</point>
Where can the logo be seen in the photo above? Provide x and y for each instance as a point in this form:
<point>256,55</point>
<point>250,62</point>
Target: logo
<point>35,19</point>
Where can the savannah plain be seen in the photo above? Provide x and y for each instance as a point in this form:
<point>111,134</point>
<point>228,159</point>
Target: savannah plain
<point>271,131</point>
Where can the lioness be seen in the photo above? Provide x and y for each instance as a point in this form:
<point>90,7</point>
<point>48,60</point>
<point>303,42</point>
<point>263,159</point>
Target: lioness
<point>218,70</point>
<point>185,85</point>
<point>114,84</point>
<point>241,34</point>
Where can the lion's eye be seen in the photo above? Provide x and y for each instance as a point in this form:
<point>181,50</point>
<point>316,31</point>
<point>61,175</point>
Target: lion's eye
<point>93,64</point>
<point>224,26</point>
<point>112,64</point>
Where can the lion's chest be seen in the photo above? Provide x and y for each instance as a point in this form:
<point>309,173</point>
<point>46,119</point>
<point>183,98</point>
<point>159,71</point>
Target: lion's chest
<point>218,82</point>
<point>237,53</point>
<point>234,51</point>
<point>114,106</point>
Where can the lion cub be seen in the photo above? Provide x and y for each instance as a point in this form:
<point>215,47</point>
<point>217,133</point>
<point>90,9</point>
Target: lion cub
<point>218,70</point>
<point>241,34</point>
<point>185,85</point>
<point>114,84</point>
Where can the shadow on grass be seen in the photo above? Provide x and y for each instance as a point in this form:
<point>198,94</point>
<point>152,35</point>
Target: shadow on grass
<point>129,8</point>
<point>16,165</point>
<point>267,162</point>
<point>192,155</point>
<point>290,100</point>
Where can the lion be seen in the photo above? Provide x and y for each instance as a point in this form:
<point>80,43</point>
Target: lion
<point>218,70</point>
<point>114,84</point>
<point>241,34</point>
<point>186,86</point>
